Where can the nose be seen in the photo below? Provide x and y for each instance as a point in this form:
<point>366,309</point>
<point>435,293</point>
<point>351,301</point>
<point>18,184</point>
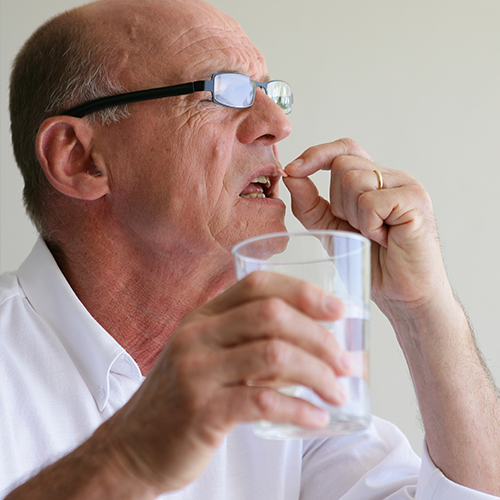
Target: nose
<point>265,121</point>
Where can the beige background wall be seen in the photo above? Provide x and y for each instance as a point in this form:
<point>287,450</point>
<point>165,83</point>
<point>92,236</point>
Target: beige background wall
<point>416,82</point>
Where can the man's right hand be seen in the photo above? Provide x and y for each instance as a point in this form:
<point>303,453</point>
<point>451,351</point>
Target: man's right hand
<point>219,369</point>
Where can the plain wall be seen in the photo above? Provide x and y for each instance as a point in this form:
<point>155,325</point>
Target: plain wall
<point>415,82</point>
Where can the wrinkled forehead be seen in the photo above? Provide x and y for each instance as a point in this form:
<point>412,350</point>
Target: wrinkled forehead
<point>204,50</point>
<point>165,42</point>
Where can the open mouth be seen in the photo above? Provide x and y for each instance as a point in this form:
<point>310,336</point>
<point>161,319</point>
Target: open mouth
<point>260,187</point>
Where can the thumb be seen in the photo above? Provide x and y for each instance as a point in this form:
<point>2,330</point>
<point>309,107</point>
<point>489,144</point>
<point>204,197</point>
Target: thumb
<point>311,209</point>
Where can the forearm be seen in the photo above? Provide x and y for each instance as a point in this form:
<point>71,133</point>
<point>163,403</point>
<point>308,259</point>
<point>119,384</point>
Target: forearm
<point>458,401</point>
<point>91,471</point>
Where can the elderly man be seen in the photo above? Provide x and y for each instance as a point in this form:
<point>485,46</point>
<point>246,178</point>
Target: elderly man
<point>139,199</point>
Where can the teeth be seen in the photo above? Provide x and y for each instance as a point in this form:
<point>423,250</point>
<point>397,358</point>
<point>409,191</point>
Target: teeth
<point>253,195</point>
<point>262,179</point>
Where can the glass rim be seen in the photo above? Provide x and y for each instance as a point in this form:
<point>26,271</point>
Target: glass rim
<point>281,234</point>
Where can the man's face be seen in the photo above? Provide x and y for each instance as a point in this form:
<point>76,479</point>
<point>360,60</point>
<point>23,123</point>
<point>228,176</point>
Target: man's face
<point>181,168</point>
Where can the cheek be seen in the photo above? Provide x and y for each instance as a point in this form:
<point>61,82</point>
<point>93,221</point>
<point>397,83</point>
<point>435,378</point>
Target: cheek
<point>209,173</point>
<point>180,186</point>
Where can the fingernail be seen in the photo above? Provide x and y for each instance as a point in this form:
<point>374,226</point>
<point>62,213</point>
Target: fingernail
<point>345,362</point>
<point>332,304</point>
<point>282,172</point>
<point>321,416</point>
<point>341,393</point>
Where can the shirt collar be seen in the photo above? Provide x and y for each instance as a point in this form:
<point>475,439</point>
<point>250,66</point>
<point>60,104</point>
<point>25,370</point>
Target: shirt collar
<point>94,352</point>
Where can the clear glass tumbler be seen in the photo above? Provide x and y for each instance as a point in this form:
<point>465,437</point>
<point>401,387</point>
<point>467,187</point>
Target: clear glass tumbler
<point>338,262</point>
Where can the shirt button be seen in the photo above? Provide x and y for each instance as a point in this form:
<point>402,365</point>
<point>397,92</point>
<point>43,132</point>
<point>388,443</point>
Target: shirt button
<point>100,392</point>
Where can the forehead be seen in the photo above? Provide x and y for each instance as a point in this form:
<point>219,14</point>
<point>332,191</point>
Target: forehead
<point>204,50</point>
<point>172,41</point>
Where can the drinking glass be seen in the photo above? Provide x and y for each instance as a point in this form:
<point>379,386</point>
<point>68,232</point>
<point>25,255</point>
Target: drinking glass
<point>338,262</point>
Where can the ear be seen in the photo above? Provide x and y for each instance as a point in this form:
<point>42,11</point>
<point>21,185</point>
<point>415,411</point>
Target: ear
<point>64,146</point>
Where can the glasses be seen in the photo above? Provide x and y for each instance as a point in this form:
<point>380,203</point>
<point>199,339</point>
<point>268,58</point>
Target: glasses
<point>228,89</point>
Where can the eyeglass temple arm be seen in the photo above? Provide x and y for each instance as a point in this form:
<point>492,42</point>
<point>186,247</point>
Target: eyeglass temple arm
<point>137,96</point>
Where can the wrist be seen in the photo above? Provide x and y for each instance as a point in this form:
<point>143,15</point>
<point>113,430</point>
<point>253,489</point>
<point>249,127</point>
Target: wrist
<point>122,473</point>
<point>114,478</point>
<point>93,470</point>
<point>434,316</point>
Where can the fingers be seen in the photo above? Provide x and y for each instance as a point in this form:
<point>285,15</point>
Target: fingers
<point>302,295</point>
<point>356,202</point>
<point>313,211</point>
<point>402,206</point>
<point>267,305</point>
<point>277,364</point>
<point>321,157</point>
<point>357,199</point>
<point>250,404</point>
<point>350,180</point>
<point>286,328</point>
<point>271,322</point>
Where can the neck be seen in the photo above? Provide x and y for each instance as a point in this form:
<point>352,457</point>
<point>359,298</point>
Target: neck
<point>138,296</point>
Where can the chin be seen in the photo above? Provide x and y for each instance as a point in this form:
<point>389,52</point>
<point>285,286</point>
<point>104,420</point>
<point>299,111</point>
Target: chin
<point>277,227</point>
<point>246,225</point>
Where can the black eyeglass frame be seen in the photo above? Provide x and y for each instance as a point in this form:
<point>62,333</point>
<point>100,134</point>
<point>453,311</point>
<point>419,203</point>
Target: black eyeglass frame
<point>159,93</point>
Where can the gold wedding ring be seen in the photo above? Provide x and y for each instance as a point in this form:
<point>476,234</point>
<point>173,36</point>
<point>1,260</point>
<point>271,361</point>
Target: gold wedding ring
<point>380,179</point>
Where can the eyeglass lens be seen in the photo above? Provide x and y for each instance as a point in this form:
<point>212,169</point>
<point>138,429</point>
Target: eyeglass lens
<point>281,94</point>
<point>238,91</point>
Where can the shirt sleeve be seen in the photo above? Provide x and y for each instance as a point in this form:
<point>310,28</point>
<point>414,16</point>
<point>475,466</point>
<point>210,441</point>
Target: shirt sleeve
<point>434,485</point>
<point>378,464</point>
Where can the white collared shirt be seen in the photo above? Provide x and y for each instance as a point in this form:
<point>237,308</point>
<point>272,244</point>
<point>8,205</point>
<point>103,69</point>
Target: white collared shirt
<point>62,375</point>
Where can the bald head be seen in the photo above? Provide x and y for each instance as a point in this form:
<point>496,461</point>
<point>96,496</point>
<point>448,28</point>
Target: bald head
<point>104,48</point>
<point>158,41</point>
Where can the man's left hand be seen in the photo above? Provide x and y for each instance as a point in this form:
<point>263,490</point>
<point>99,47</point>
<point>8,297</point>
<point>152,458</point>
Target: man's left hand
<point>407,268</point>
